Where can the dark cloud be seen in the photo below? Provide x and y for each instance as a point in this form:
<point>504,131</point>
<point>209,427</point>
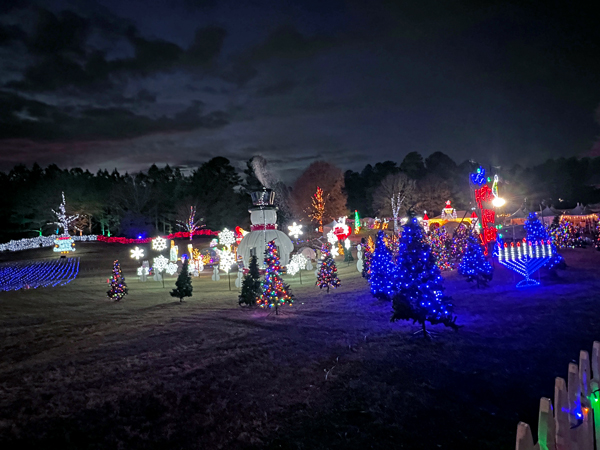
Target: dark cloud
<point>9,33</point>
<point>207,45</point>
<point>53,72</point>
<point>279,88</point>
<point>151,55</point>
<point>62,55</point>
<point>351,81</point>
<point>239,72</point>
<point>286,42</point>
<point>23,118</point>
<point>200,4</point>
<point>145,96</point>
<point>7,6</point>
<point>65,33</point>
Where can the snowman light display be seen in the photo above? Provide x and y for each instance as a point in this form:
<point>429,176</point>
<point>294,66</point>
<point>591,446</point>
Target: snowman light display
<point>263,216</point>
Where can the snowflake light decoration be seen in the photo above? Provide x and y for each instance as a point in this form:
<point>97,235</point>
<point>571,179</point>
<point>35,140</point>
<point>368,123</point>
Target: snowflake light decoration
<point>332,238</point>
<point>297,263</point>
<point>226,237</point>
<point>143,271</point>
<point>160,263</point>
<point>295,230</point>
<point>300,260</point>
<point>292,268</point>
<point>334,251</point>
<point>226,260</point>
<point>159,244</point>
<point>171,268</point>
<point>137,253</point>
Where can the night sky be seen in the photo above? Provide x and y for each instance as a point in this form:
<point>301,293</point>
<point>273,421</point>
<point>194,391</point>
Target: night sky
<point>128,83</point>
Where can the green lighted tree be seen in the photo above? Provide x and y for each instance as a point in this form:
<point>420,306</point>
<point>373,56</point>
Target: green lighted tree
<point>184,283</point>
<point>251,284</point>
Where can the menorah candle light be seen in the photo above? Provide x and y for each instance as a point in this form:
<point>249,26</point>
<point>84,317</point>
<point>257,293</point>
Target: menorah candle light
<point>525,258</point>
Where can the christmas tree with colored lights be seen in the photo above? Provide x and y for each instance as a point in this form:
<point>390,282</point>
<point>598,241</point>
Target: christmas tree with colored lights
<point>459,242</point>
<point>419,292</point>
<point>536,231</point>
<point>183,284</point>
<point>274,292</point>
<point>382,278</point>
<point>566,234</point>
<point>367,248</point>
<point>250,284</point>
<point>474,266</point>
<point>118,287</point>
<point>327,274</point>
<point>597,239</point>
<point>441,244</point>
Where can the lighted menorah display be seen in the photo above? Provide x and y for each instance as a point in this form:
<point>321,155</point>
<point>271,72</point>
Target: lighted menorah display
<point>525,258</point>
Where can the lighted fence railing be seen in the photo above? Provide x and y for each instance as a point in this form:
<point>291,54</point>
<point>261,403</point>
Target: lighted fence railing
<point>525,258</point>
<point>574,422</point>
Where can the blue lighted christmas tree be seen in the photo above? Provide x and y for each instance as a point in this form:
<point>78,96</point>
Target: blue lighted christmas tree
<point>382,270</point>
<point>419,292</point>
<point>474,266</point>
<point>536,231</point>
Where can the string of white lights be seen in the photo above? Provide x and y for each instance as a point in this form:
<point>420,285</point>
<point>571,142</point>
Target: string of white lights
<point>40,242</point>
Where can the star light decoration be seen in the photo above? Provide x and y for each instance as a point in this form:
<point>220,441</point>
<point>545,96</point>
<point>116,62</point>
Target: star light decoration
<point>160,263</point>
<point>159,244</point>
<point>295,230</point>
<point>137,253</point>
<point>226,260</point>
<point>226,237</point>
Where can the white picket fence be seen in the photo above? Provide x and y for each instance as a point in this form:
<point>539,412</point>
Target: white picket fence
<point>574,422</point>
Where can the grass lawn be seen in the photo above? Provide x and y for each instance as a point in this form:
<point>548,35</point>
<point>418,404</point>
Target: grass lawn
<point>78,371</point>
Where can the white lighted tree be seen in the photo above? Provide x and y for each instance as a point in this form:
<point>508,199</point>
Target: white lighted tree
<point>63,219</point>
<point>393,191</point>
<point>191,224</point>
<point>226,260</point>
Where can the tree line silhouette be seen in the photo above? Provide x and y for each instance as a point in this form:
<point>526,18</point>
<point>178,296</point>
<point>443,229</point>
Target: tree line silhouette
<point>151,202</point>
